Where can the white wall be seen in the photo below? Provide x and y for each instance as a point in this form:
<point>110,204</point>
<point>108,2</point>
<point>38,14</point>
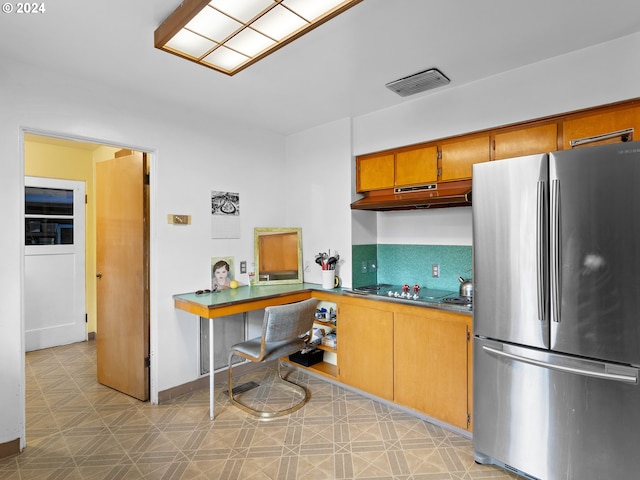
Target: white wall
<point>595,76</point>
<point>318,172</point>
<point>190,157</point>
<point>442,226</point>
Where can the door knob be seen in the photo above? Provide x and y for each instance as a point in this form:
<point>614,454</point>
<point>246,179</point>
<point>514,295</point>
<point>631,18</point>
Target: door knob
<point>99,275</point>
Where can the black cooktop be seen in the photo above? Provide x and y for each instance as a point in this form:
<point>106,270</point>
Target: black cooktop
<point>423,294</point>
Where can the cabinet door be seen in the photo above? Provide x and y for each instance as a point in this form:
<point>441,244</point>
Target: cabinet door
<point>365,349</point>
<point>458,157</point>
<point>416,166</point>
<point>601,123</point>
<point>430,366</point>
<point>526,141</point>
<point>374,172</point>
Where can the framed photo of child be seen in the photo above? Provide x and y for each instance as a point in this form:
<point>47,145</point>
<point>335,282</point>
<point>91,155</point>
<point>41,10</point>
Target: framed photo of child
<point>221,272</point>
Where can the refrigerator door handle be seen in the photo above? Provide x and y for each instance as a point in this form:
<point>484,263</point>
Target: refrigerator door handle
<point>619,377</point>
<point>555,251</point>
<point>541,251</point>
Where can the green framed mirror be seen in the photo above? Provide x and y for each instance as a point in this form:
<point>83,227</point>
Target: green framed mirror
<point>278,255</point>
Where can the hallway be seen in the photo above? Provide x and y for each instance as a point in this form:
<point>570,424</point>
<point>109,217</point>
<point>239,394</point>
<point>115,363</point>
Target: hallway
<point>79,429</point>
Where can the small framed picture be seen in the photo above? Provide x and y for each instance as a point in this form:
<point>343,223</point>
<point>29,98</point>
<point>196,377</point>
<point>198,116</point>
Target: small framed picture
<point>221,272</point>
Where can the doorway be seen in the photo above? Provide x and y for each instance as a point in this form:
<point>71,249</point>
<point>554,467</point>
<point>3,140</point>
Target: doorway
<point>54,262</point>
<point>68,158</point>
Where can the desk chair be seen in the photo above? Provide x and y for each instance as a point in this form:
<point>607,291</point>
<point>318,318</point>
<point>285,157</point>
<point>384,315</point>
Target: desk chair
<point>281,330</point>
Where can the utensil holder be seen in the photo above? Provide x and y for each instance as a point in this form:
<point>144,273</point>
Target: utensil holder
<point>328,279</point>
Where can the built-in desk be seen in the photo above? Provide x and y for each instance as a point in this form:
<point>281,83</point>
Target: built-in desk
<point>422,349</point>
<point>239,300</point>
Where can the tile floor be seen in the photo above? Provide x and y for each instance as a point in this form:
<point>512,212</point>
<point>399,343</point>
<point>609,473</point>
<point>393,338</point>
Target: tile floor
<point>78,429</point>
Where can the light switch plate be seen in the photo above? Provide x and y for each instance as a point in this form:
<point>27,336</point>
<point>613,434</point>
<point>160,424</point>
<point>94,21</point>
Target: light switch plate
<point>243,266</point>
<point>174,219</point>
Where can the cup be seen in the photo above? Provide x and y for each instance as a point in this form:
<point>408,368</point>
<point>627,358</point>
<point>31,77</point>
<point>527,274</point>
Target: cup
<point>328,279</point>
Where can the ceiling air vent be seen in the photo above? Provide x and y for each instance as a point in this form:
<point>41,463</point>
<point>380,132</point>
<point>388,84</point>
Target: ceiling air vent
<point>418,82</point>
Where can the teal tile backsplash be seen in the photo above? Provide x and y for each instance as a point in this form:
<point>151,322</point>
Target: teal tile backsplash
<point>364,255</point>
<point>398,264</point>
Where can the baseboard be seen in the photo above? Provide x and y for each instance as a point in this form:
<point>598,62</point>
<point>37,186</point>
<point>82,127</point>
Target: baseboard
<point>91,336</point>
<point>8,449</point>
<point>202,383</point>
<point>389,403</point>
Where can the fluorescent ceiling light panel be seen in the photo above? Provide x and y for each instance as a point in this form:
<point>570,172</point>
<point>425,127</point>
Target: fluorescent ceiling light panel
<point>243,11</point>
<point>230,35</point>
<point>279,22</point>
<point>213,25</point>
<point>225,58</point>
<point>310,10</point>
<point>190,43</point>
<point>249,42</point>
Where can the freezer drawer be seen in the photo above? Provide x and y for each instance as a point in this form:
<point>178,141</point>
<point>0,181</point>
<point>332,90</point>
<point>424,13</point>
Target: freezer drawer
<point>574,419</point>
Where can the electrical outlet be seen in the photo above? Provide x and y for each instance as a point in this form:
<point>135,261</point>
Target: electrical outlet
<point>372,265</point>
<point>243,266</point>
<point>435,270</point>
<point>363,268</point>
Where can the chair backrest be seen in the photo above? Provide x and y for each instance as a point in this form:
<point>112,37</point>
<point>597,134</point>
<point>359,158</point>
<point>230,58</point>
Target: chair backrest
<point>284,322</point>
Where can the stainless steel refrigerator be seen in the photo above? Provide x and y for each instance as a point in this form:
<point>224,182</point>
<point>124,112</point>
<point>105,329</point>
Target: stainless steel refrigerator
<point>556,254</point>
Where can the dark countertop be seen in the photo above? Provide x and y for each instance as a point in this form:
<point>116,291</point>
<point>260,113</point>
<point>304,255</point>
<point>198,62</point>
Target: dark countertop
<point>254,293</point>
<point>437,305</point>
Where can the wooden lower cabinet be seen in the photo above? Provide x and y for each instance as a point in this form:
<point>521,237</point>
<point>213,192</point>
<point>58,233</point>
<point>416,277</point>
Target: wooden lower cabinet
<point>365,349</point>
<point>431,359</point>
<point>416,357</point>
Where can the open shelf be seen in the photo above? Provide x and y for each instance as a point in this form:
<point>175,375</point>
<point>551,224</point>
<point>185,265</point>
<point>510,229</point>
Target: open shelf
<point>324,324</point>
<point>323,368</point>
<point>327,349</point>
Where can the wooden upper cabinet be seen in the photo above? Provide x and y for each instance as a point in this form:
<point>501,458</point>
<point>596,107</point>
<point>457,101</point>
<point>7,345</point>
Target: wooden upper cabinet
<point>375,172</point>
<point>584,126</point>
<point>419,164</point>
<point>526,141</point>
<point>458,157</point>
<point>416,166</point>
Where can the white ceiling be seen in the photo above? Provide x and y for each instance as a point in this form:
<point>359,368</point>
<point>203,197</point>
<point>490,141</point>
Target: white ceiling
<point>338,70</point>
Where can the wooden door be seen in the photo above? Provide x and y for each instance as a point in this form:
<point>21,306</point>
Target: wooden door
<point>122,337</point>
<point>365,349</point>
<point>458,157</point>
<point>416,166</point>
<point>430,366</point>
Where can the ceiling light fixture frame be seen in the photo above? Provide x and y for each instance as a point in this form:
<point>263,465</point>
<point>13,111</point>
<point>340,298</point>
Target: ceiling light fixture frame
<point>188,9</point>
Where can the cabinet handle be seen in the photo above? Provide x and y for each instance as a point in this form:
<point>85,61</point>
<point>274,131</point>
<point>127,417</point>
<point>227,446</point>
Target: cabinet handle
<point>625,135</point>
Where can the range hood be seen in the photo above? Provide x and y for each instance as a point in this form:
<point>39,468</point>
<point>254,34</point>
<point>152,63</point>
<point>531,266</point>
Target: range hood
<point>434,195</point>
